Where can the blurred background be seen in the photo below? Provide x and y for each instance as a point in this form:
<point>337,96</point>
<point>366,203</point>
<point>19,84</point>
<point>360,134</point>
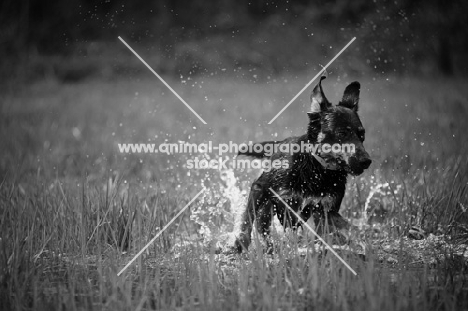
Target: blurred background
<point>77,39</point>
<point>70,91</point>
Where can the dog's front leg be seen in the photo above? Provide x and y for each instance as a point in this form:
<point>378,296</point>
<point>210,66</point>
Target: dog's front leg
<point>263,217</point>
<point>256,198</point>
<point>326,216</point>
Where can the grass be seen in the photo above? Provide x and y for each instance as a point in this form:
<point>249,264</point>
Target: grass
<point>73,211</point>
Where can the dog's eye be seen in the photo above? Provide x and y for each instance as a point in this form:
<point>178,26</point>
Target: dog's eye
<point>341,135</point>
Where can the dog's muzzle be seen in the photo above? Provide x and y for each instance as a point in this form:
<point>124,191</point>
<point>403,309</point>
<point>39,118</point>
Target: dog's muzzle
<point>357,166</point>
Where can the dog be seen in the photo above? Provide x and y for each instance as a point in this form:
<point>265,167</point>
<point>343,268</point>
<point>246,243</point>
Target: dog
<point>313,183</point>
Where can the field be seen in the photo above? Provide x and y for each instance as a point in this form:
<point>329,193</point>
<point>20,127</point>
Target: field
<point>74,211</point>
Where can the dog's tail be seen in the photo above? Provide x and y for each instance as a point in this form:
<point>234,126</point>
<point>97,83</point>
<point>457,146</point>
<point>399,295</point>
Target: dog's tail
<point>255,151</point>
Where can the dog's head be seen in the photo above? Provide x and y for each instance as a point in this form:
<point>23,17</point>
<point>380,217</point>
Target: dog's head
<point>339,130</point>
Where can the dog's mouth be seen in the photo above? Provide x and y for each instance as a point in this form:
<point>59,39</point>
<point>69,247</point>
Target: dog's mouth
<point>324,162</point>
<point>330,162</point>
<point>357,167</point>
<point>355,171</point>
<point>351,166</point>
<point>352,170</point>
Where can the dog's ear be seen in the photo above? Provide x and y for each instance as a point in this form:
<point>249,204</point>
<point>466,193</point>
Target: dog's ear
<point>351,96</point>
<point>318,100</point>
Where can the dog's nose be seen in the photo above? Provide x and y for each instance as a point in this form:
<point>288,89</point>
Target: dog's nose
<point>365,163</point>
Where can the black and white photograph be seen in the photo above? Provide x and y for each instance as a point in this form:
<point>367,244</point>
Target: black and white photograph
<point>233,155</point>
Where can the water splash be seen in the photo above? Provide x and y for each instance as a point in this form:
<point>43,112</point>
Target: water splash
<point>219,211</point>
<point>235,195</point>
<point>382,200</point>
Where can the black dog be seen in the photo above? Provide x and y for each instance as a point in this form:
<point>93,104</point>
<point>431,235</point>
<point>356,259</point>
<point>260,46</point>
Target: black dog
<point>313,184</point>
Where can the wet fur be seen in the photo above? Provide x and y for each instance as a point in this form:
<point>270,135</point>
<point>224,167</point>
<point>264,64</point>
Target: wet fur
<point>309,188</point>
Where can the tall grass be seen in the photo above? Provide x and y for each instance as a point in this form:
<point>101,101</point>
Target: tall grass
<point>56,253</point>
<point>73,212</point>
